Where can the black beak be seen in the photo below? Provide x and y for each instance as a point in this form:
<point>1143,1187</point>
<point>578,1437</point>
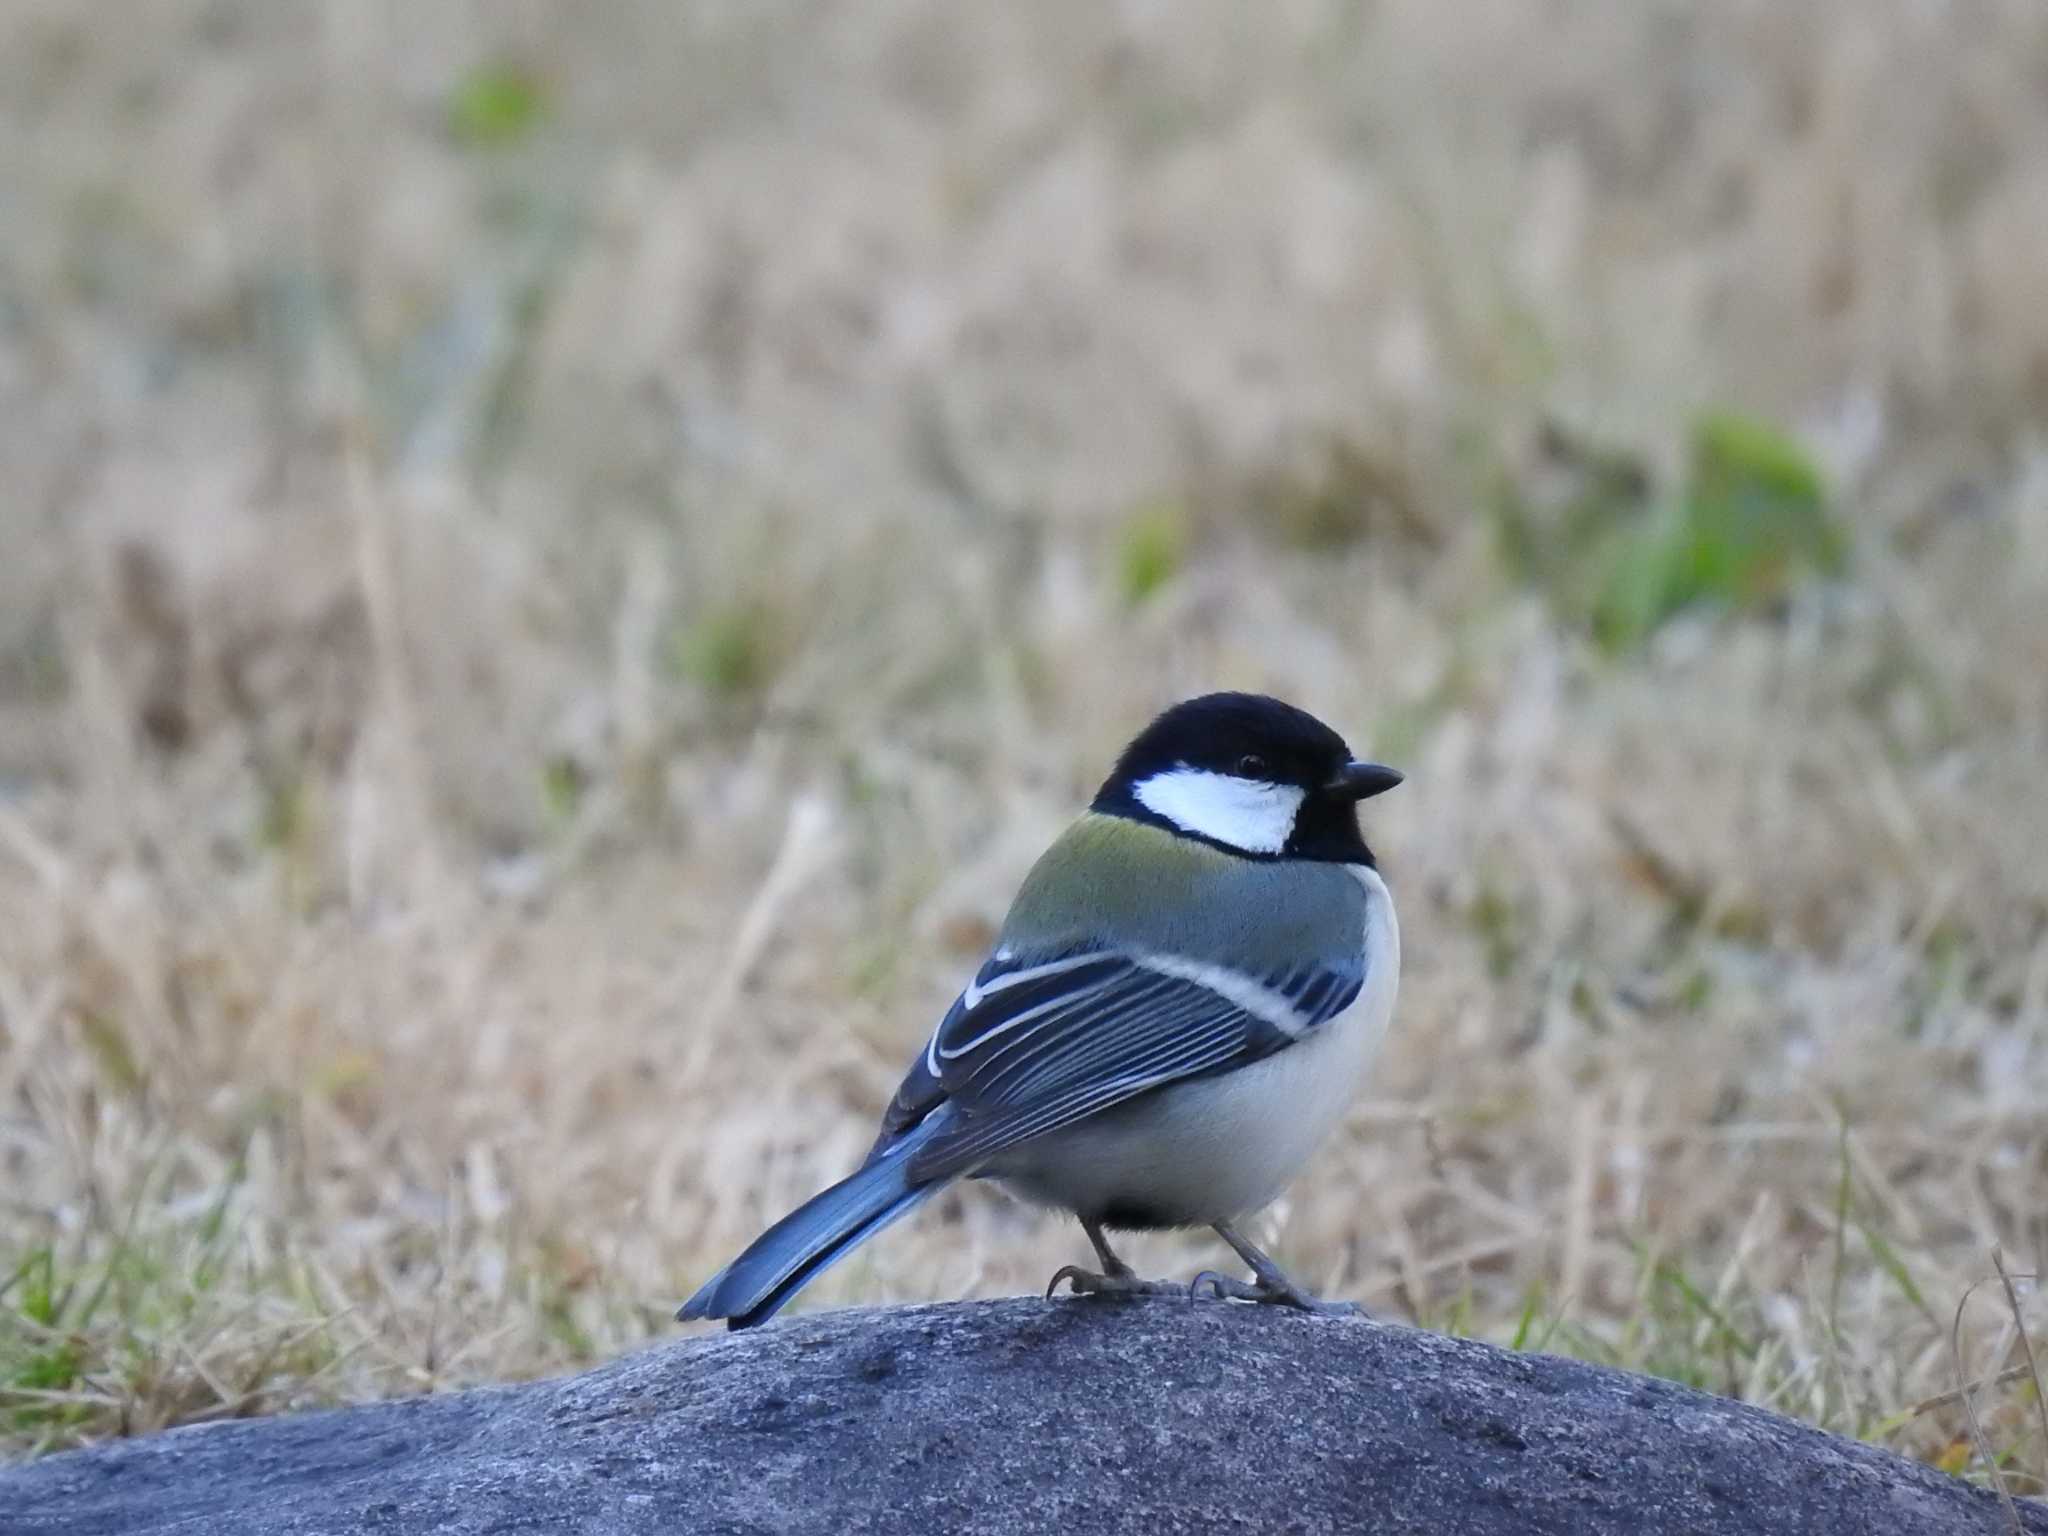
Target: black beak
<point>1361,781</point>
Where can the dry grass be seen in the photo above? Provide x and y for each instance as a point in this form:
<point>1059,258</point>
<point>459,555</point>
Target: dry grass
<point>559,572</point>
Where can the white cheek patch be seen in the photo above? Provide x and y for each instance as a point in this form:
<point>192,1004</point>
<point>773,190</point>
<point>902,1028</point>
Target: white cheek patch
<point>1244,813</point>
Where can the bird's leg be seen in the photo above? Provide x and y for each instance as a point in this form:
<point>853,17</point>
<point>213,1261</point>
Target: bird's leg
<point>1269,1282</point>
<point>1116,1279</point>
<point>1111,1264</point>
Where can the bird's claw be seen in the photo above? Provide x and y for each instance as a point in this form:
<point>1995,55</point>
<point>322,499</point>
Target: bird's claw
<point>1283,1293</point>
<point>1074,1272</point>
<point>1086,1282</point>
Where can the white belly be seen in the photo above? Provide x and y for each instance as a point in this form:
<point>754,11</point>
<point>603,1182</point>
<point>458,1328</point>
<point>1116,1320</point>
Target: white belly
<point>1216,1148</point>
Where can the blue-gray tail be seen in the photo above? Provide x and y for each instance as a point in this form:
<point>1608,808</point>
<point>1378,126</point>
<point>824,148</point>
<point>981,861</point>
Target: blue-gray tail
<point>811,1239</point>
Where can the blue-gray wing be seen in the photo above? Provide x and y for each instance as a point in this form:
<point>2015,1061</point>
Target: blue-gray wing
<point>1037,1042</point>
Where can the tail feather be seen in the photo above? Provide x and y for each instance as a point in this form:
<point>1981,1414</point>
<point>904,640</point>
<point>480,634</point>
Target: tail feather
<point>807,1242</point>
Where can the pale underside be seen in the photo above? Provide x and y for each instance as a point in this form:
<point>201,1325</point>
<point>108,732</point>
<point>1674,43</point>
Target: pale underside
<point>1218,1147</point>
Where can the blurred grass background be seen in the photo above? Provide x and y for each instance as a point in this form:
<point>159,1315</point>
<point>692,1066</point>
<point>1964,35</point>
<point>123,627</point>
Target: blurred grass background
<point>560,565</point>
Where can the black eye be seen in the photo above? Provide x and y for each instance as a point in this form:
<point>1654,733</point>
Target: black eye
<point>1253,766</point>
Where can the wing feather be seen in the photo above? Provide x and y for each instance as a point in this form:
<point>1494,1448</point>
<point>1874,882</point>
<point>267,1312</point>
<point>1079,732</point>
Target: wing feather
<point>1039,1041</point>
<point>1008,1076</point>
<point>1169,1063</point>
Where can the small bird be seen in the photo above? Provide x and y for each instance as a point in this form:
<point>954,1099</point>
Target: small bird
<point>1180,1005</point>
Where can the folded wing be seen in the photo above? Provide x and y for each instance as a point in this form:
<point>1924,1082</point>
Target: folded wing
<point>1039,1041</point>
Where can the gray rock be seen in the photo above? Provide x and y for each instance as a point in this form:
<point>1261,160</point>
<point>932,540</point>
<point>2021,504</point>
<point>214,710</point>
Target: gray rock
<point>1017,1416</point>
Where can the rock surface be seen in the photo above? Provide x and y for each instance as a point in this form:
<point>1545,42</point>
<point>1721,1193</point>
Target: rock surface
<point>1020,1416</point>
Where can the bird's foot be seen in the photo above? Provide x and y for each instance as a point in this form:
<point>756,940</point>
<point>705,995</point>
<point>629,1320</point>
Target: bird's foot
<point>1121,1281</point>
<point>1272,1290</point>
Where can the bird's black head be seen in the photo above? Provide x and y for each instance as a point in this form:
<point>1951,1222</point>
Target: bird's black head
<point>1248,774</point>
